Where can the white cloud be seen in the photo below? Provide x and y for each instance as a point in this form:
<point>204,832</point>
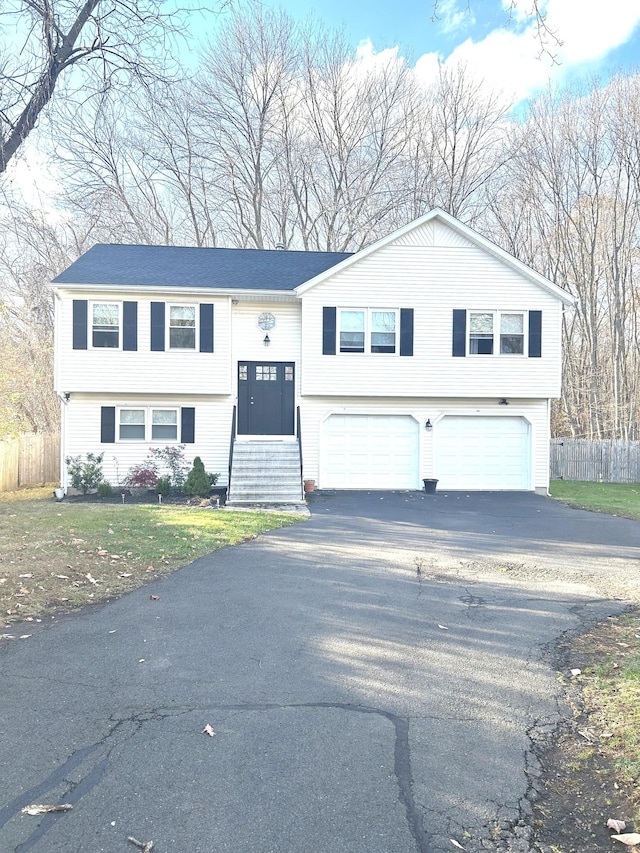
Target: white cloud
<point>590,29</point>
<point>509,58</point>
<point>452,16</point>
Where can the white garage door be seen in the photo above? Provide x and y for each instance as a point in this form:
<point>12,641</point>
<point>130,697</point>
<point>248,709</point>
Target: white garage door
<point>369,452</point>
<point>482,453</point>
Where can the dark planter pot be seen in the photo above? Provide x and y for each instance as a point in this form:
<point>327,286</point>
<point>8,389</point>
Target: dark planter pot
<point>430,486</point>
<point>219,492</point>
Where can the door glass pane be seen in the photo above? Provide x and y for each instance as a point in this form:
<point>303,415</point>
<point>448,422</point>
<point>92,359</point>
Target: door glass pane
<point>288,373</point>
<point>266,372</point>
<point>243,374</point>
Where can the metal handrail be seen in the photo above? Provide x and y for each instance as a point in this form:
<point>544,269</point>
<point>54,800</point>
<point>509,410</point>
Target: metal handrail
<point>299,434</point>
<point>233,439</point>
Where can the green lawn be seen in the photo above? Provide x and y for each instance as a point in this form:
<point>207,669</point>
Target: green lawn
<point>61,555</point>
<point>613,498</point>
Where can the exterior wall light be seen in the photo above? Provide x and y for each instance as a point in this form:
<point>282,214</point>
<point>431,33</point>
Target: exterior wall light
<point>428,424</point>
<point>266,340</point>
<point>503,402</point>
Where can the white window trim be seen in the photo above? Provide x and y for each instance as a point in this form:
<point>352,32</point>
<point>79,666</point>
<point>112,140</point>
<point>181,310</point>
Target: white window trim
<point>196,345</point>
<point>367,331</point>
<point>118,304</point>
<point>148,425</point>
<point>497,313</point>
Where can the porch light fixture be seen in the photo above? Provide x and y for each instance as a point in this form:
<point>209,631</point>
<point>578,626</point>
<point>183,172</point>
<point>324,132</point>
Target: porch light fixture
<point>266,340</point>
<point>67,396</point>
<point>503,402</point>
<point>428,424</point>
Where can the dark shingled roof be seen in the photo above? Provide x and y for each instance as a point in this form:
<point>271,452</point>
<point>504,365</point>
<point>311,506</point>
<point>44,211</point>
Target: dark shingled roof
<point>182,266</point>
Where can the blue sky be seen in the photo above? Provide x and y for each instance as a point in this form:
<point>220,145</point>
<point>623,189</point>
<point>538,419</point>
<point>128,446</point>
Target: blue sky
<point>598,38</point>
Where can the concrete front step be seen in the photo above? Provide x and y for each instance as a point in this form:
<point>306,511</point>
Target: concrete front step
<point>265,472</point>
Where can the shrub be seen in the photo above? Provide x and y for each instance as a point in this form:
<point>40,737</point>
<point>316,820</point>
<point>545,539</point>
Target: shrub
<point>213,478</point>
<point>144,475</point>
<point>198,482</point>
<point>104,489</point>
<point>173,458</point>
<point>85,475</point>
<point>163,486</point>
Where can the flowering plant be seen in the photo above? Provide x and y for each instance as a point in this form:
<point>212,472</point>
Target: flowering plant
<point>172,457</point>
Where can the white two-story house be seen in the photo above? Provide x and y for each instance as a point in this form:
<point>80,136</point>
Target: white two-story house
<point>431,353</point>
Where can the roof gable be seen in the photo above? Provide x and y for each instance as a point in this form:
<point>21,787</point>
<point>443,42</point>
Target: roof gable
<point>438,228</point>
<point>115,264</point>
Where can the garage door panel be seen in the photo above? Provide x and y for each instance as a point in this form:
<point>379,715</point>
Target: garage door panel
<point>482,453</point>
<point>370,452</point>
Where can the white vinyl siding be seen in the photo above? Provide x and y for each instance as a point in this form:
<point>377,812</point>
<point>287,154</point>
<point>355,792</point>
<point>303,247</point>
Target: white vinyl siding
<point>433,280</point>
<point>212,431</point>
<point>184,371</point>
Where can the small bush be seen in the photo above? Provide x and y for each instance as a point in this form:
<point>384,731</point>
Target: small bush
<point>104,489</point>
<point>163,486</point>
<point>144,475</point>
<point>173,458</point>
<point>213,478</point>
<point>85,475</point>
<point>198,482</point>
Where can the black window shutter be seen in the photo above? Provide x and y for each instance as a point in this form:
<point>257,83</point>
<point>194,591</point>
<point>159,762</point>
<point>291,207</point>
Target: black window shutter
<point>130,326</point>
<point>535,334</point>
<point>406,331</point>
<point>108,424</point>
<point>157,327</point>
<point>187,425</point>
<point>80,323</point>
<point>459,332</point>
<point>328,331</point>
<point>206,328</point>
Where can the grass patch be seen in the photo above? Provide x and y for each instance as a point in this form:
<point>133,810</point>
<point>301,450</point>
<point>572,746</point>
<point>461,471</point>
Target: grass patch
<point>612,498</point>
<point>611,693</point>
<point>55,556</point>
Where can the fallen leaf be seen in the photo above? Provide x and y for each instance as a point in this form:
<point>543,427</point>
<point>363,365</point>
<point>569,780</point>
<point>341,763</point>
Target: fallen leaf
<point>624,645</point>
<point>150,569</point>
<point>90,578</point>
<point>628,838</point>
<point>456,844</point>
<point>618,825</point>
<point>141,660</point>
<point>586,735</point>
<point>63,577</point>
<point>124,574</point>
<point>444,627</point>
<point>102,553</point>
<point>207,730</point>
<point>154,597</point>
<point>35,809</point>
<point>116,557</point>
<point>146,847</point>
<point>576,672</point>
<point>28,575</point>
<point>24,636</point>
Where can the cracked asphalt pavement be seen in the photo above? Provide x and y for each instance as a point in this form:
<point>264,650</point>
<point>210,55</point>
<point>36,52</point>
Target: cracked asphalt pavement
<point>377,679</point>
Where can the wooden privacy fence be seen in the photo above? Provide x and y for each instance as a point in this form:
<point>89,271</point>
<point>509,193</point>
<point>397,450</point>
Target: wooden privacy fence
<point>29,460</point>
<point>596,461</point>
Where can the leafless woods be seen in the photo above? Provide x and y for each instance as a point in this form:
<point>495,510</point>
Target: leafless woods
<point>281,134</point>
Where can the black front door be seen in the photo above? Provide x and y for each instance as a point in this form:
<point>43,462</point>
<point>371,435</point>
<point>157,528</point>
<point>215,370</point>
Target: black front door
<point>266,397</point>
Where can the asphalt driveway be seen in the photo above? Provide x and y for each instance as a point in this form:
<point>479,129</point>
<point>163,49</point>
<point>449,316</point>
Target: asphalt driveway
<point>375,678</point>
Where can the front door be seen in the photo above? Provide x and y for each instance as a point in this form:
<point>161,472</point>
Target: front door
<point>266,397</point>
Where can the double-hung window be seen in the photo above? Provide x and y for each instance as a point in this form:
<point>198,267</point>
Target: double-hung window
<point>147,424</point>
<point>105,324</point>
<point>368,330</point>
<point>501,331</point>
<point>182,327</point>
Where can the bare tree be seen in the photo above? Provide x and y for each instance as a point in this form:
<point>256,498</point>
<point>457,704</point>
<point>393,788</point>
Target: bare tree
<point>79,47</point>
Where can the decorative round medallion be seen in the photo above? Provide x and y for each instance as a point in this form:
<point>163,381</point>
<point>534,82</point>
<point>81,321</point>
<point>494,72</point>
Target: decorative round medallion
<point>266,321</point>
